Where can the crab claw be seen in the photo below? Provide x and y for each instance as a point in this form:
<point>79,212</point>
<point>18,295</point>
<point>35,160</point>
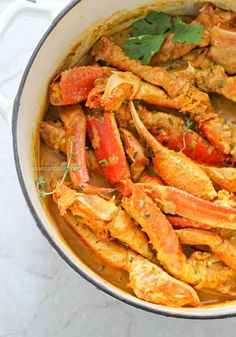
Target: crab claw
<point>105,138</point>
<point>73,85</point>
<point>190,177</point>
<point>148,281</point>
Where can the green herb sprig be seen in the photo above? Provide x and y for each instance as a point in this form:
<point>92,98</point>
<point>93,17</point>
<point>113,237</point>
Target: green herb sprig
<point>148,34</point>
<point>41,183</point>
<point>186,127</point>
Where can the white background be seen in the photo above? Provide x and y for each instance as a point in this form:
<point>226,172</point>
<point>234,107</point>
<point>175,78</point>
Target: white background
<point>39,294</point>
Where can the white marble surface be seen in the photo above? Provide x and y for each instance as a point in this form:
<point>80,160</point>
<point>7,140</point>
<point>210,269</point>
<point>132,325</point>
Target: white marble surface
<point>39,294</point>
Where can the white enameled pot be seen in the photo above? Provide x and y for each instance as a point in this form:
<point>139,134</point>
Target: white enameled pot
<point>77,27</point>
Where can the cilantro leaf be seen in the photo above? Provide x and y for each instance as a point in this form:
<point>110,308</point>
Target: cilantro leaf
<point>143,47</point>
<point>154,23</point>
<point>190,34</point>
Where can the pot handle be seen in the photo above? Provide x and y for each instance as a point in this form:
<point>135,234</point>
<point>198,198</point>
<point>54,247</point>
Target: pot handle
<point>42,8</point>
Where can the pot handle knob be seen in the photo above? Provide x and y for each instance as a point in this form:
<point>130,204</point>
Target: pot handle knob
<point>43,8</point>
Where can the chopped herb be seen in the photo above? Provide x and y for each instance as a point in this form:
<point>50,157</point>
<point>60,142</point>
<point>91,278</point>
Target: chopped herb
<point>147,215</point>
<point>75,168</point>
<point>189,34</point>
<point>135,155</point>
<point>221,83</point>
<point>103,162</point>
<point>149,33</point>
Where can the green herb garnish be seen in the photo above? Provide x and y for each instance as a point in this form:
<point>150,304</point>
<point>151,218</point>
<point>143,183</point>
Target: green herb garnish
<point>154,23</point>
<point>41,183</point>
<point>149,33</point>
<point>135,155</point>
<point>103,162</point>
<point>186,127</point>
<point>185,33</point>
<point>147,215</point>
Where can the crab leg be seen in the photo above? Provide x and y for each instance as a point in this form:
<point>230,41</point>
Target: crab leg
<point>223,50</point>
<point>54,135</point>
<point>148,281</point>
<point>201,270</point>
<point>73,85</point>
<point>220,247</point>
<point>108,51</point>
<point>105,138</point>
<point>112,91</point>
<point>75,126</point>
<point>170,131</point>
<point>190,178</point>
<point>118,87</point>
<point>182,223</point>
<point>135,152</point>
<point>224,177</point>
<point>174,201</point>
<point>103,218</point>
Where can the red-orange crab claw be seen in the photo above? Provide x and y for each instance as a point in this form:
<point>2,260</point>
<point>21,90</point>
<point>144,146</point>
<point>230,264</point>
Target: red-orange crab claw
<point>105,138</point>
<point>73,85</point>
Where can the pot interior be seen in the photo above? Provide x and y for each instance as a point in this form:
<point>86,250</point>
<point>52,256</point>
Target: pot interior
<point>79,28</point>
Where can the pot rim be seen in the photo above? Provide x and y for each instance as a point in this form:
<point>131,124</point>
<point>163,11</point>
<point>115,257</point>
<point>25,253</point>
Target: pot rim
<point>37,219</point>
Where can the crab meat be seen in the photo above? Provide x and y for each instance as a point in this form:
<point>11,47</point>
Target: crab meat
<point>148,281</point>
<point>135,152</point>
<point>175,168</point>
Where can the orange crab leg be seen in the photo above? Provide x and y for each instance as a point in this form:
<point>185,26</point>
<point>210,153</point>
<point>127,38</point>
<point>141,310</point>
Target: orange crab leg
<point>148,215</point>
<point>122,86</point>
<point>75,125</point>
<point>224,177</point>
<point>223,51</point>
<point>175,201</point>
<point>178,223</point>
<point>73,85</point>
<point>170,131</point>
<point>105,138</point>
<point>221,247</point>
<point>167,163</point>
<point>148,281</point>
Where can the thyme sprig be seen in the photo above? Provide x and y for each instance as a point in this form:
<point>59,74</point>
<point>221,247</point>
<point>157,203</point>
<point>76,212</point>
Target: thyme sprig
<point>41,183</point>
<point>186,127</point>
